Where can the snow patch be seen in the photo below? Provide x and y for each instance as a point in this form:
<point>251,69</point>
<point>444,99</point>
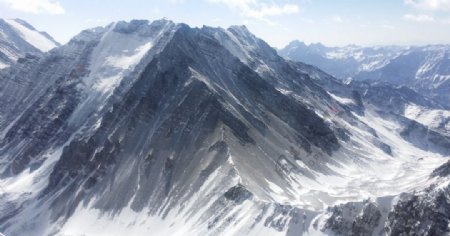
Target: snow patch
<point>2,65</point>
<point>28,181</point>
<point>284,91</point>
<point>107,84</point>
<point>342,100</point>
<point>114,57</point>
<point>125,61</point>
<point>202,78</point>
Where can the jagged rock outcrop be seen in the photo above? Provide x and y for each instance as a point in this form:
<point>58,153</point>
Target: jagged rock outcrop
<point>425,213</point>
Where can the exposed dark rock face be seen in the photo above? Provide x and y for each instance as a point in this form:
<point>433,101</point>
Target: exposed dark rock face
<point>353,219</point>
<point>51,111</point>
<point>427,213</point>
<point>422,213</point>
<point>425,138</point>
<point>38,98</point>
<point>282,216</point>
<point>383,146</point>
<point>442,171</point>
<point>238,194</point>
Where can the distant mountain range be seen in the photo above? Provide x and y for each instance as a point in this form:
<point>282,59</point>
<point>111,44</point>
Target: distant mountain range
<point>341,62</point>
<point>158,128</point>
<point>425,69</point>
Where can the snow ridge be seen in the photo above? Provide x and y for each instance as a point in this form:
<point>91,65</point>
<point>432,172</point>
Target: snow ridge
<point>33,37</point>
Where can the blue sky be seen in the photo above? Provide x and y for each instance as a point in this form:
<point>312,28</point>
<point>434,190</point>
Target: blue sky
<point>363,22</point>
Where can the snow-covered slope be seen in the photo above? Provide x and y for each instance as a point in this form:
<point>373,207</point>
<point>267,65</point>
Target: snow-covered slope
<point>159,128</point>
<point>17,38</point>
<point>437,119</point>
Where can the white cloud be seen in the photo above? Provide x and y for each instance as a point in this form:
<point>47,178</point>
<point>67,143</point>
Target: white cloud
<point>418,18</point>
<point>36,6</point>
<point>433,5</point>
<point>258,9</point>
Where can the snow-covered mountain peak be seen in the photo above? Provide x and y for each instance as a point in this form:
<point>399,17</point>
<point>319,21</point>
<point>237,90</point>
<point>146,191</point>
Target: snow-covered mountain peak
<point>39,40</point>
<point>296,43</point>
<point>18,38</point>
<point>247,39</point>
